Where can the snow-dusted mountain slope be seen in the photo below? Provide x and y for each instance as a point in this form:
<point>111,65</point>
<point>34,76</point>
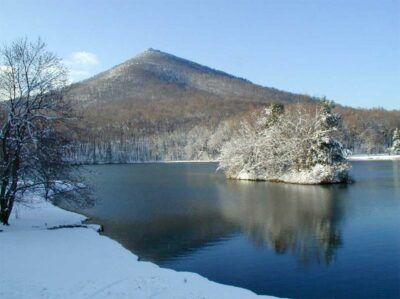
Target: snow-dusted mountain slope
<point>141,77</point>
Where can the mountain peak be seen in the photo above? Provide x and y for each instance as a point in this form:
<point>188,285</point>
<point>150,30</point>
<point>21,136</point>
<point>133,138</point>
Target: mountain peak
<point>159,75</point>
<point>171,63</point>
<point>152,54</point>
<point>152,51</point>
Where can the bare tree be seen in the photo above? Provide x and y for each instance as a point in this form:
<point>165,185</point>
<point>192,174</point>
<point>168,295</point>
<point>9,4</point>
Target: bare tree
<point>34,122</point>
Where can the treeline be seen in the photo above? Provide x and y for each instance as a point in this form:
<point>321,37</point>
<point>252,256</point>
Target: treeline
<point>368,131</point>
<point>192,134</point>
<point>199,143</point>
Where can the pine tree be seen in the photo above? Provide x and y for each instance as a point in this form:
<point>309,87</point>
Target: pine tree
<point>395,149</point>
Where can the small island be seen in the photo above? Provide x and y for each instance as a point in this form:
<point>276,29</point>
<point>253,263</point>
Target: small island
<point>296,145</point>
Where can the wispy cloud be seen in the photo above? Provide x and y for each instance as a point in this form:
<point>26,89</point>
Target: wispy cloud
<point>84,58</point>
<point>81,64</point>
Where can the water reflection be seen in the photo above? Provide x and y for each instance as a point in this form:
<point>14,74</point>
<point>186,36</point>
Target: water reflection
<point>302,220</point>
<point>168,237</point>
<point>193,207</point>
<point>396,177</point>
<point>253,235</point>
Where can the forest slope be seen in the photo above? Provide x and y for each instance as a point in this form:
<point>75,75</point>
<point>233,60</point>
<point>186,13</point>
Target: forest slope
<point>157,106</point>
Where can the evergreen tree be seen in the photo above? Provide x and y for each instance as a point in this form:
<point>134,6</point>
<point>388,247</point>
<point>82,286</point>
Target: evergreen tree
<point>395,150</point>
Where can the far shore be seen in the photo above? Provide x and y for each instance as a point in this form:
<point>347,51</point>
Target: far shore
<point>363,157</point>
<point>150,162</point>
<point>382,157</point>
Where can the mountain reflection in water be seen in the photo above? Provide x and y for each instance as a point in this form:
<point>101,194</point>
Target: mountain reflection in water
<point>172,212</point>
<point>291,241</point>
<point>303,220</point>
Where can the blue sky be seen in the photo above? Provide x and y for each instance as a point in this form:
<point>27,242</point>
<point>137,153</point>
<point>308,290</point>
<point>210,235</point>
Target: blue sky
<point>348,51</point>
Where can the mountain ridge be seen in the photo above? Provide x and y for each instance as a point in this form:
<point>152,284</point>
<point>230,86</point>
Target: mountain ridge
<point>153,52</point>
<point>153,67</point>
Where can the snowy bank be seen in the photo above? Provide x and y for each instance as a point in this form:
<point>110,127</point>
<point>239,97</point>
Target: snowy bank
<point>319,174</point>
<point>40,262</point>
<point>373,157</point>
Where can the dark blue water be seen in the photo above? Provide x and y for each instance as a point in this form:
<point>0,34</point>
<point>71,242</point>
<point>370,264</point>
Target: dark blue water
<point>338,241</point>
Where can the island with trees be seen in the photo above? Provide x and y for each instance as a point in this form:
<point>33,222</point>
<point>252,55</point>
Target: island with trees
<point>293,146</point>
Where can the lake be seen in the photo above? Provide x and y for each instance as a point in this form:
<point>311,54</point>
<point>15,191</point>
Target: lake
<point>331,241</point>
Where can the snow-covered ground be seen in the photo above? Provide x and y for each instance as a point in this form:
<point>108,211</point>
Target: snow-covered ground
<point>373,157</point>
<point>38,262</point>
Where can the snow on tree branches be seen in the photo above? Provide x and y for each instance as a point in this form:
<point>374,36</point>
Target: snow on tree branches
<point>395,149</point>
<point>33,122</point>
<point>296,146</point>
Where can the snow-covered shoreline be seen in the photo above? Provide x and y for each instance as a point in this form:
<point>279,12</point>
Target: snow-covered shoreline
<point>151,162</point>
<point>373,157</point>
<point>319,174</point>
<point>39,262</point>
<point>350,158</point>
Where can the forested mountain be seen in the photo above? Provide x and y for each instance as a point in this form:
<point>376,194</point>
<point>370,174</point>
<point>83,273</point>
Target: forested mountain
<point>157,106</point>
<point>156,76</point>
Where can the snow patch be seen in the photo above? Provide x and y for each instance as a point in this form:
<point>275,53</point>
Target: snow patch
<point>79,263</point>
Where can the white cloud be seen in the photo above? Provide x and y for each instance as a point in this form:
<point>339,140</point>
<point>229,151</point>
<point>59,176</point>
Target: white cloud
<point>83,58</point>
<point>81,65</point>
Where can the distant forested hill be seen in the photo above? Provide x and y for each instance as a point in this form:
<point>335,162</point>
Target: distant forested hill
<point>157,106</point>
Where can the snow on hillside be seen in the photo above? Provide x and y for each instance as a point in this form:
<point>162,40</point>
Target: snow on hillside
<point>40,262</point>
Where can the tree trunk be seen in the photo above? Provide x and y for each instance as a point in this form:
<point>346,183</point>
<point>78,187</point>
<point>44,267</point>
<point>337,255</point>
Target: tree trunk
<point>4,203</point>
<point>7,198</point>
<point>4,214</point>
